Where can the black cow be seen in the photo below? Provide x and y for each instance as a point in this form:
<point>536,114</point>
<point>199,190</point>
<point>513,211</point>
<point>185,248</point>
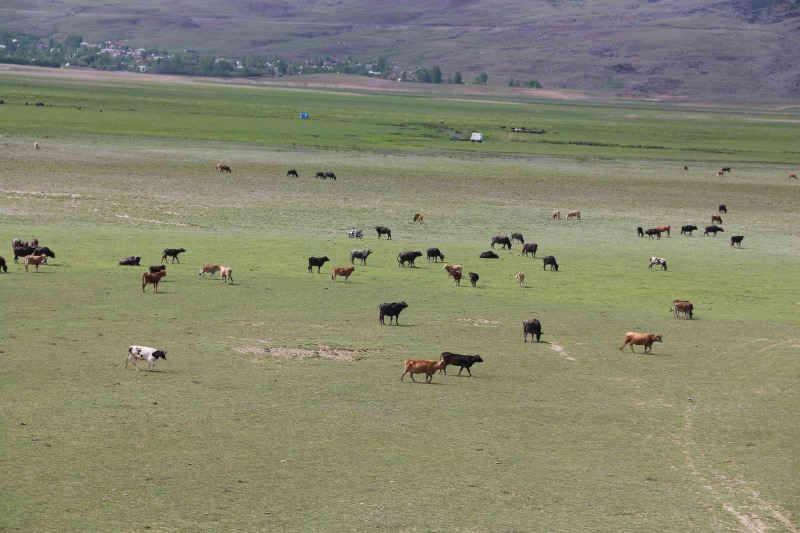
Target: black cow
<point>685,167</point>
<point>407,257</point>
<point>530,248</point>
<point>22,251</point>
<point>435,255</point>
<point>292,173</point>
<point>463,361</point>
<point>130,261</point>
<point>652,232</point>
<point>473,278</point>
<point>549,260</point>
<point>712,229</point>
<point>737,240</point>
<point>391,310</point>
<point>517,237</point>
<point>173,253</point>
<point>640,231</point>
<point>330,175</point>
<point>505,242</point>
<point>532,328</point>
<point>726,169</point>
<point>3,265</point>
<point>157,268</point>
<point>688,229</point>
<point>359,254</point>
<point>489,255</point>
<point>316,262</point>
<point>320,175</point>
<point>722,208</point>
<point>383,230</point>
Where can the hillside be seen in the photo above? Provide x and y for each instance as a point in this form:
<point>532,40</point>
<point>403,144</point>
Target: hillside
<point>705,48</point>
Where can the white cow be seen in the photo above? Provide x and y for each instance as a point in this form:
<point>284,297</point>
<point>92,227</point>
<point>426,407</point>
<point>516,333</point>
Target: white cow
<point>658,261</point>
<point>144,353</point>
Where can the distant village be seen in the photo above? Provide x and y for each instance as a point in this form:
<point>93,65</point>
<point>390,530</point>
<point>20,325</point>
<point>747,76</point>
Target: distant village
<point>74,52</point>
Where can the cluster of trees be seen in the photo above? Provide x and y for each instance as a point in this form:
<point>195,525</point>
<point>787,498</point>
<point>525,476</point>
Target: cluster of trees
<point>434,75</point>
<point>530,84</point>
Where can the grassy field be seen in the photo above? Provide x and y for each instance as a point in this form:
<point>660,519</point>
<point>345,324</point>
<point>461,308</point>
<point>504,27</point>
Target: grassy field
<point>236,431</point>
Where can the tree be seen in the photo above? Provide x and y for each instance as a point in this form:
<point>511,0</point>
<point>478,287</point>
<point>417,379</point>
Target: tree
<point>381,65</point>
<point>423,76</point>
<point>436,74</point>
<point>457,78</point>
<point>73,41</point>
<point>511,82</point>
<point>533,84</point>
<point>482,78</point>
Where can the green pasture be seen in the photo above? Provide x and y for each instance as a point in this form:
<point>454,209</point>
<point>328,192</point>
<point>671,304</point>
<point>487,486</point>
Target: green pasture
<point>229,434</point>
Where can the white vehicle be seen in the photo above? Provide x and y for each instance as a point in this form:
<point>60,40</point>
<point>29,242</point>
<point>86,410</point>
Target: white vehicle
<point>476,137</point>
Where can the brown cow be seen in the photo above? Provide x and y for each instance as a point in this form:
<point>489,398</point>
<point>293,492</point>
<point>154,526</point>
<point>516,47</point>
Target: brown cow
<point>574,214</point>
<point>642,339</point>
<point>720,173</point>
<point>556,214</point>
<point>683,306</point>
<point>520,277</point>
<point>223,168</point>
<point>792,176</point>
<point>422,366</point>
<point>452,268</point>
<point>35,260</point>
<point>663,229</point>
<point>342,271</point>
<point>456,274</point>
<point>208,269</point>
<point>153,278</point>
<point>716,218</point>
<point>419,218</point>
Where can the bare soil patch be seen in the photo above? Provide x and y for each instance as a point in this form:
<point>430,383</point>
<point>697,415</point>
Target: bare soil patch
<point>321,351</point>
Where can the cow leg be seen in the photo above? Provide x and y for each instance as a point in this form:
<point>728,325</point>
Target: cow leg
<point>404,375</point>
<point>469,372</point>
<point>412,377</point>
<point>460,369</point>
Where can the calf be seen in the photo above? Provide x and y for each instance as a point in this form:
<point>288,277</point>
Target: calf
<point>574,214</point>
<point>130,261</point>
<point>658,261</point>
<point>489,255</point>
<point>463,361</point>
<point>716,218</point>
<point>173,253</point>
<point>418,217</point>
<point>208,269</point>
<point>517,237</point>
<point>712,229</point>
<point>152,278</point>
<point>682,306</point>
<point>688,229</point>
<point>157,268</point>
<point>225,274</point>
<point>502,240</point>
<point>345,272</point>
<point>556,214</point>
<point>640,231</point>
<point>473,278</point>
<point>520,277</point>
<point>792,176</point>
<point>383,230</point>
<point>408,257</point>
<point>549,260</point>
<point>318,262</point>
<point>391,310</point>
<point>34,260</point>
<point>722,208</point>
<point>422,366</point>
<point>532,328</point>
<point>320,175</point>
<point>736,240</point>
<point>530,248</point>
<point>3,265</point>
<point>640,339</point>
<point>144,353</point>
<point>292,173</point>
<point>652,232</point>
<point>359,254</point>
<point>456,274</point>
<point>435,255</point>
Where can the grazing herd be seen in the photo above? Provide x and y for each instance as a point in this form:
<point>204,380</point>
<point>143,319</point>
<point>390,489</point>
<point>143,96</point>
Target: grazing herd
<point>689,229</point>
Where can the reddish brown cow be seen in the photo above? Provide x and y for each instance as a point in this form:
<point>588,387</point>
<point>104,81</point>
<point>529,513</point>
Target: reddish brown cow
<point>152,278</point>
<point>716,218</point>
<point>641,339</point>
<point>345,272</point>
<point>456,274</point>
<point>574,214</point>
<point>792,176</point>
<point>663,229</point>
<point>422,366</point>
<point>452,268</point>
<point>419,218</point>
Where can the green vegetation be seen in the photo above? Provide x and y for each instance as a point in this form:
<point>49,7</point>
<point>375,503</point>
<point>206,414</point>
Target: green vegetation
<point>232,433</point>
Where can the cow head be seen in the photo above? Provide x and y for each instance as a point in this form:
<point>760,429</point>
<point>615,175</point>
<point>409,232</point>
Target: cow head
<point>403,304</point>
<point>657,338</point>
<point>477,359</point>
<point>160,354</point>
<point>325,259</point>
